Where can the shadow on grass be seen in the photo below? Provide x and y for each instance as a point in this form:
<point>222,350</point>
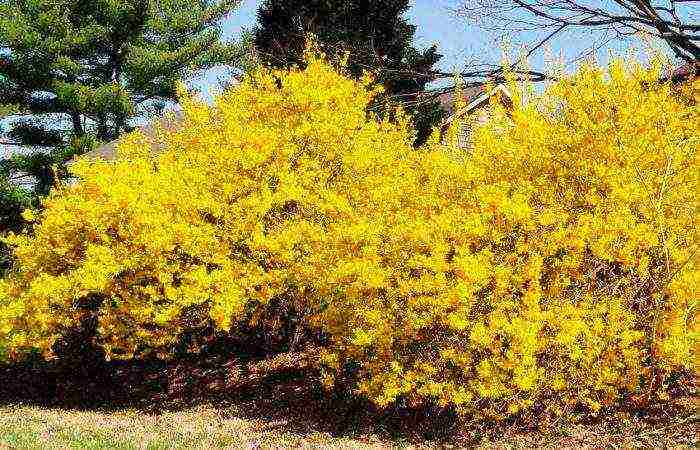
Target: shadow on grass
<point>282,391</point>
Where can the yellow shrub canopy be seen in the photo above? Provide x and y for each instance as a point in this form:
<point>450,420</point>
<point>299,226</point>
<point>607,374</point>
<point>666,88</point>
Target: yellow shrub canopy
<point>554,260</point>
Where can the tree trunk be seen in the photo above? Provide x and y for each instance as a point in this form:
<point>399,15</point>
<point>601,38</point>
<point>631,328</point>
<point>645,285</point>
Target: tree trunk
<point>77,124</point>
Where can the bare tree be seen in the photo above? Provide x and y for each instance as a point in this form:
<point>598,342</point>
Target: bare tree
<point>675,22</point>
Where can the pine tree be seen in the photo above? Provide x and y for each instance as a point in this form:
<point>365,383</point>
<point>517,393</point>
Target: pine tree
<point>81,71</point>
<point>374,34</point>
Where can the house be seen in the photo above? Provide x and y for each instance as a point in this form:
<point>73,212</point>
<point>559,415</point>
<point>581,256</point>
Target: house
<point>476,101</point>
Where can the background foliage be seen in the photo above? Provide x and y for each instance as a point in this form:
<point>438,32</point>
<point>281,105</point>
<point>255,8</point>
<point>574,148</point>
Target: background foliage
<point>77,72</point>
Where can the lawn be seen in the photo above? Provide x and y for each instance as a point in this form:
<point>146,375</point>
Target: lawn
<point>247,425</point>
<point>24,427</point>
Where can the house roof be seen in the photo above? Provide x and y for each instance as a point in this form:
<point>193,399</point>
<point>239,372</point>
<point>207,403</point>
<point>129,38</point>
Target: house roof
<point>169,122</point>
<point>683,73</point>
<point>448,99</point>
<point>474,98</point>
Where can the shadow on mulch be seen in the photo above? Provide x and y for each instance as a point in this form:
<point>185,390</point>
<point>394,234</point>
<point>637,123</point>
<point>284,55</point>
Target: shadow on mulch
<point>285,394</point>
<point>242,385</point>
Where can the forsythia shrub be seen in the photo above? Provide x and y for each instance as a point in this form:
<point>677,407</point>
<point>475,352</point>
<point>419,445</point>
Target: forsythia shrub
<point>552,265</point>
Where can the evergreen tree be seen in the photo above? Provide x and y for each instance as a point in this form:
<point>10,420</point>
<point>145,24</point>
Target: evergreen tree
<point>374,34</point>
<point>80,71</point>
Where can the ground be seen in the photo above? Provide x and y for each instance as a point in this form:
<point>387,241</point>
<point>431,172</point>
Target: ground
<point>214,402</point>
<point>283,423</point>
<point>207,427</point>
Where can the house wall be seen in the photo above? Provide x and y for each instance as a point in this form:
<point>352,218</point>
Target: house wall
<point>476,118</point>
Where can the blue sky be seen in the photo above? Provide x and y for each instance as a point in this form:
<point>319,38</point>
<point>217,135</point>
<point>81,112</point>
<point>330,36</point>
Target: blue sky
<point>436,22</point>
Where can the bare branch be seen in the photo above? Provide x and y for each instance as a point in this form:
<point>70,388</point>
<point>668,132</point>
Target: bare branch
<point>668,20</point>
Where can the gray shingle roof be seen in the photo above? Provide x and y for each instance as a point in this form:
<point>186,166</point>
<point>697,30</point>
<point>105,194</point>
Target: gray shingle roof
<point>170,122</point>
<point>469,94</point>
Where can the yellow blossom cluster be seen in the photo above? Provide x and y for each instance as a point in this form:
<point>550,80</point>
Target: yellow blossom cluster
<point>554,263</point>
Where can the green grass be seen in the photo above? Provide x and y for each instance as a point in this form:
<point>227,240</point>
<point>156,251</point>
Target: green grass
<point>198,428</point>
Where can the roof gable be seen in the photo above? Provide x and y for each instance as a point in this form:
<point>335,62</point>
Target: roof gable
<point>448,99</point>
<point>477,99</point>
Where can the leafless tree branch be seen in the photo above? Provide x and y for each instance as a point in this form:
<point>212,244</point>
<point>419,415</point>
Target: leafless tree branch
<point>672,21</point>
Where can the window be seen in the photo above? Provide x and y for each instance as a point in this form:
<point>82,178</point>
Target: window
<point>463,139</point>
